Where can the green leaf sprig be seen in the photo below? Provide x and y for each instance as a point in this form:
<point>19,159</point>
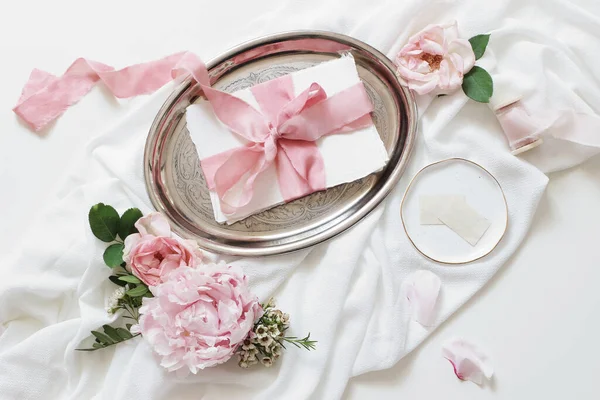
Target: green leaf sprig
<point>305,342</point>
<point>477,83</point>
<point>110,337</point>
<point>107,226</point>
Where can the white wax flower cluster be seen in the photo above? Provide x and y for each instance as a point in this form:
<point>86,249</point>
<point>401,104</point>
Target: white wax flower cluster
<point>264,342</point>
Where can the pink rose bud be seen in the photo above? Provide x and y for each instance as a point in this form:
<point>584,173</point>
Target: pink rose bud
<point>153,253</point>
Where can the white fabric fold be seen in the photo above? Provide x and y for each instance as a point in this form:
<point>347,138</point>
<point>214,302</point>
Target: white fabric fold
<point>346,292</point>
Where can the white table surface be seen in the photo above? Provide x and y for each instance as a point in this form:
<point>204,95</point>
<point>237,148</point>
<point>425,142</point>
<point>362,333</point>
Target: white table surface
<point>539,318</point>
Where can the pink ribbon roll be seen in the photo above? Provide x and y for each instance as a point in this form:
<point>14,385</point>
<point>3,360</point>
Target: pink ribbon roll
<point>520,128</point>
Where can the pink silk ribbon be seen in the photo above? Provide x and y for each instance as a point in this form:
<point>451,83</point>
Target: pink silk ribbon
<point>283,132</point>
<point>46,97</point>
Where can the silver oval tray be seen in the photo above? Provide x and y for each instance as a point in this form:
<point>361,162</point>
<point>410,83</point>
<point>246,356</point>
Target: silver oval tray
<point>175,182</point>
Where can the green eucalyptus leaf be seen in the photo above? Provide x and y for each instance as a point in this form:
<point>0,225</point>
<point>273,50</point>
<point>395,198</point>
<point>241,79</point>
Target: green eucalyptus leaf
<point>113,255</point>
<point>115,279</point>
<point>479,44</point>
<point>112,333</point>
<point>478,85</point>
<point>128,326</point>
<point>124,333</point>
<point>137,291</point>
<point>104,222</point>
<point>128,220</point>
<point>102,337</point>
<point>130,279</point>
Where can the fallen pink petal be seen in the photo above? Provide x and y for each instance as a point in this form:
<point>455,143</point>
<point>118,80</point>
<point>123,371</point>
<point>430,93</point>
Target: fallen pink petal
<point>422,289</point>
<point>469,361</point>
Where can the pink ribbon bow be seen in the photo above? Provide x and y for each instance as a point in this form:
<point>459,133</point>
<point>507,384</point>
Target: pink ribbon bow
<point>283,132</point>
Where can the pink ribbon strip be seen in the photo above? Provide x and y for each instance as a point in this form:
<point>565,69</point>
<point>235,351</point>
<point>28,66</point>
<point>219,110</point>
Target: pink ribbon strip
<point>46,97</point>
<point>283,132</point>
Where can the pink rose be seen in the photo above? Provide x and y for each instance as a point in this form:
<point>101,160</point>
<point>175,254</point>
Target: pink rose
<point>153,253</point>
<point>435,58</point>
<point>198,316</point>
<point>153,224</point>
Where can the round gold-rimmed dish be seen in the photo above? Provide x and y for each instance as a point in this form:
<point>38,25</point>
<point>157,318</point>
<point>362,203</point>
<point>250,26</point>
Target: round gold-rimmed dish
<point>454,177</point>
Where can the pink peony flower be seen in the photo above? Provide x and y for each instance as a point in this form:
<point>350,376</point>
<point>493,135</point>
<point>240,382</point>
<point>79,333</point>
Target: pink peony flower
<point>153,253</point>
<point>435,58</point>
<point>198,316</point>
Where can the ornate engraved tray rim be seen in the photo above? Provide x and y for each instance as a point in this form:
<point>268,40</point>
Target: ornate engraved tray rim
<point>300,234</point>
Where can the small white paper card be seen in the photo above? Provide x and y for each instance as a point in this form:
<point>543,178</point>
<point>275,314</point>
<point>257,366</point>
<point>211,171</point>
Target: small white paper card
<point>347,156</point>
<point>430,205</point>
<point>463,220</point>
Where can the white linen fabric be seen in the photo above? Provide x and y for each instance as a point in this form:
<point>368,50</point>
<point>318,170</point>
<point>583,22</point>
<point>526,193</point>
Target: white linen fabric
<point>346,292</point>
